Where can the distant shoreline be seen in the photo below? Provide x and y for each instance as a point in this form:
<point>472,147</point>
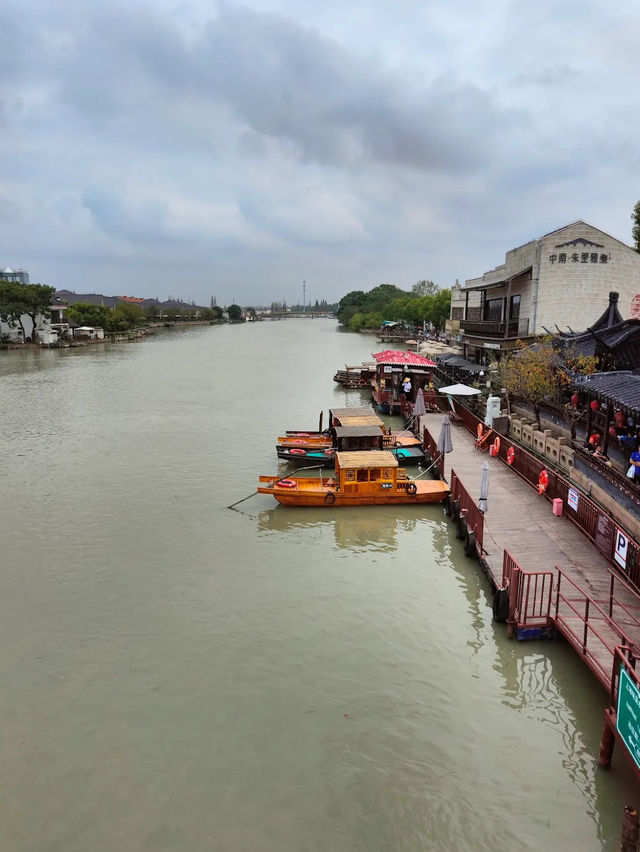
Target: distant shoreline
<point>112,337</point>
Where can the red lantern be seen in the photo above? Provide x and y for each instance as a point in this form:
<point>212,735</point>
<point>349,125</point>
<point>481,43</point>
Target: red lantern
<point>595,405</point>
<point>575,400</point>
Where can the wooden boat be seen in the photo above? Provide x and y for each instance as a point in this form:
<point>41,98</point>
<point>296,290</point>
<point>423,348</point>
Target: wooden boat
<point>391,370</point>
<point>361,479</point>
<point>349,429</point>
<point>356,377</point>
<point>407,448</point>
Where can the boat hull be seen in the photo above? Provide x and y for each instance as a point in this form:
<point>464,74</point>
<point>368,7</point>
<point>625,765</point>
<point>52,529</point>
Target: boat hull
<point>305,494</point>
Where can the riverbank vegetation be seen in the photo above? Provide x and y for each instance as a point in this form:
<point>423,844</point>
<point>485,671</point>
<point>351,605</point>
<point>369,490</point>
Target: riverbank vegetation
<point>425,302</point>
<point>125,316</point>
<point>18,300</point>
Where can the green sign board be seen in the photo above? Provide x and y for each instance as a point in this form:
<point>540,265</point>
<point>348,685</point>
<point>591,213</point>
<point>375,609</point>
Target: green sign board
<point>628,717</point>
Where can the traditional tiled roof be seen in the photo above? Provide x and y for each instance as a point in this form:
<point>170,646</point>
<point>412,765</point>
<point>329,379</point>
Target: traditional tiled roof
<point>620,388</point>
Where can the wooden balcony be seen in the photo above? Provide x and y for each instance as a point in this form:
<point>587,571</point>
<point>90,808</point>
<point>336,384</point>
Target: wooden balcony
<point>481,328</point>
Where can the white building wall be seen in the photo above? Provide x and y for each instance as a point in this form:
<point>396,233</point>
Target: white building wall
<point>13,331</point>
<point>574,290</point>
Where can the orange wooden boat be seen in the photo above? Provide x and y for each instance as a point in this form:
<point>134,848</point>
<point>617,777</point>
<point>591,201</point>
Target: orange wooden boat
<point>362,478</point>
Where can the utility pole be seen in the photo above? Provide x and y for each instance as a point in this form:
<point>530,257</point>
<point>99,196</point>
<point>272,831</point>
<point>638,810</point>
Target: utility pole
<point>304,297</point>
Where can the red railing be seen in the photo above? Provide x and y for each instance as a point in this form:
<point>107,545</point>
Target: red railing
<point>468,510</point>
<point>590,518</point>
<point>587,627</point>
<point>530,595</point>
<point>431,448</point>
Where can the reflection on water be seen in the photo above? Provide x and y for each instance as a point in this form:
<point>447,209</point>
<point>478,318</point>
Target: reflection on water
<point>369,528</point>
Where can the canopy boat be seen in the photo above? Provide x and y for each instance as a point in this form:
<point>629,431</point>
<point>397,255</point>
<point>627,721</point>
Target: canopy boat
<point>350,429</point>
<point>399,376</point>
<point>406,448</point>
<point>356,377</point>
<point>361,479</point>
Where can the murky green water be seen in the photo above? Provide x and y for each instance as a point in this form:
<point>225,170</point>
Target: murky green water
<point>178,676</point>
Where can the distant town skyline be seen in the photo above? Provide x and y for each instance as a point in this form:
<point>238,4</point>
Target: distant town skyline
<point>241,149</point>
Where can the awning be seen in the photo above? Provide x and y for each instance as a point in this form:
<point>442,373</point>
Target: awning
<point>495,284</point>
<point>393,356</point>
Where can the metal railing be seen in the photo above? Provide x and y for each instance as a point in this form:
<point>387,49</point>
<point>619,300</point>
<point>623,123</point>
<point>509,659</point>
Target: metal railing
<point>530,595</point>
<point>587,627</point>
<point>468,509</point>
<point>592,520</point>
<point>431,448</point>
<point>488,328</point>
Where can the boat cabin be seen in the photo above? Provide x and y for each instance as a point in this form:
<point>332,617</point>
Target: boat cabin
<point>345,416</point>
<point>367,472</point>
<point>354,438</point>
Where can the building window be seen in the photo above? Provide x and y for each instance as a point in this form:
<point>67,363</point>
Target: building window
<point>514,311</point>
<point>493,310</point>
<point>457,313</point>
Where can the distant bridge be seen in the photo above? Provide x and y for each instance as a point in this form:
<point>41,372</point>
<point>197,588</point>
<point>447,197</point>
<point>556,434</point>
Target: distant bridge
<point>298,315</point>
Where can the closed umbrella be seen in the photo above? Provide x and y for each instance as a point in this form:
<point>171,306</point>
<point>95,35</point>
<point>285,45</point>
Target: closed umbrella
<point>484,488</point>
<point>445,444</point>
<point>419,408</point>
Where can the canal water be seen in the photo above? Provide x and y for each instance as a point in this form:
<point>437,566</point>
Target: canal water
<point>179,676</point>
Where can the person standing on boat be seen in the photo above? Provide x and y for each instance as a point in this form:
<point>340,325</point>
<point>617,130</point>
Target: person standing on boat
<point>406,386</point>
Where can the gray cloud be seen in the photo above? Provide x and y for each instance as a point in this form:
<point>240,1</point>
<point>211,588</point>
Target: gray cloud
<point>250,145</point>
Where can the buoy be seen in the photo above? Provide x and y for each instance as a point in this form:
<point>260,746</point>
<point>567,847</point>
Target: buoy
<point>543,481</point>
<point>495,447</point>
<point>479,431</point>
<point>511,454</point>
<point>287,483</point>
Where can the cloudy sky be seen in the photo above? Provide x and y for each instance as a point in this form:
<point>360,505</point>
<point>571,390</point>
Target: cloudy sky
<point>236,149</point>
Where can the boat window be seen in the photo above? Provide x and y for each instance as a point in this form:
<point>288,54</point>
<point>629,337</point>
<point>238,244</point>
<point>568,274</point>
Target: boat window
<point>374,474</point>
<point>387,473</point>
<point>349,476</point>
<point>363,475</point>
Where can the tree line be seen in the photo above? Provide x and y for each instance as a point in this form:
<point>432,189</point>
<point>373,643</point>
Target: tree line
<point>425,302</point>
<point>18,300</point>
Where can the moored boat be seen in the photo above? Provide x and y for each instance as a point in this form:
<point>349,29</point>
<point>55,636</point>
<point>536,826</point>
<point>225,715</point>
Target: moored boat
<point>356,377</point>
<point>406,448</point>
<point>361,478</point>
<point>350,429</point>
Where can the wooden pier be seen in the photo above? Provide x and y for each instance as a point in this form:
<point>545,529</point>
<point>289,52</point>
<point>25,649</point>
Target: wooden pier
<point>551,574</point>
<point>564,580</point>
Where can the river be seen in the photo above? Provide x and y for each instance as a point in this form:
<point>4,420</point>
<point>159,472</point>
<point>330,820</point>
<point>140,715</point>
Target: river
<point>179,676</point>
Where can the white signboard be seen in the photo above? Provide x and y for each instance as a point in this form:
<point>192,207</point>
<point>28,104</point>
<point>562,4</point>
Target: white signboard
<point>491,345</point>
<point>621,546</point>
<point>387,369</point>
<point>573,499</point>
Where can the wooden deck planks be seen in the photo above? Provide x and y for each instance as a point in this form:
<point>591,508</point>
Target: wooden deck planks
<point>521,522</point>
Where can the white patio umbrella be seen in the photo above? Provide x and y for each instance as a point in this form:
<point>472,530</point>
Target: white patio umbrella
<point>459,390</point>
<point>483,502</point>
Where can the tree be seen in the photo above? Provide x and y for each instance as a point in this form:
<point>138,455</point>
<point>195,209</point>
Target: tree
<point>83,313</point>
<point>533,374</point>
<point>38,304</point>
<point>635,233</point>
<point>13,304</point>
<point>424,288</point>
<point>124,316</point>
<point>235,313</point>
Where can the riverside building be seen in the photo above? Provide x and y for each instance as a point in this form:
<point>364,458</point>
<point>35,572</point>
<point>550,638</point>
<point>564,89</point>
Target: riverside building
<point>548,284</point>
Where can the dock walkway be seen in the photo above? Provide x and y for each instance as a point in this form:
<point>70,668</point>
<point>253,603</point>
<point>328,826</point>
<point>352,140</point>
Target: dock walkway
<point>522,523</point>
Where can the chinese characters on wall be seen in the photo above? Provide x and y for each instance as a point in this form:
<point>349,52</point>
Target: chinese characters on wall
<point>579,257</point>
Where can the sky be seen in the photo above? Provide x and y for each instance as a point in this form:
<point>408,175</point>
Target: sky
<point>238,149</point>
